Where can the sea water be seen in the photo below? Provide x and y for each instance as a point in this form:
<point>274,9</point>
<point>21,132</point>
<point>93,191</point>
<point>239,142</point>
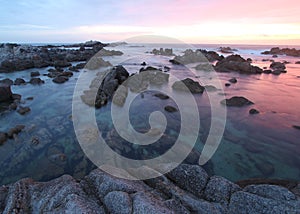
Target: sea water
<point>253,146</point>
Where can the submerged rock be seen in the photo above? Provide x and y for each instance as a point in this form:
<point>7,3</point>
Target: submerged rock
<point>253,111</point>
<point>36,81</point>
<point>188,84</point>
<point>23,110</point>
<point>170,109</point>
<point>14,131</point>
<point>236,101</point>
<point>161,96</point>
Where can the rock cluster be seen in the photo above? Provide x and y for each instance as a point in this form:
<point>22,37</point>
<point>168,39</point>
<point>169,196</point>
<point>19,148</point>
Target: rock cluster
<point>199,55</point>
<point>227,50</point>
<point>11,133</point>
<point>237,63</point>
<point>164,52</point>
<point>14,57</point>
<point>284,51</point>
<point>185,189</point>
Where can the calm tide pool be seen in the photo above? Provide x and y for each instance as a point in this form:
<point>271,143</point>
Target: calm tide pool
<point>253,146</point>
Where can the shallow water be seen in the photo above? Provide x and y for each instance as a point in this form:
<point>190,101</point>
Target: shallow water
<point>264,145</point>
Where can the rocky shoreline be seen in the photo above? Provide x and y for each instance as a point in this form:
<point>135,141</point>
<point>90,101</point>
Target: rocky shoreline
<point>185,189</point>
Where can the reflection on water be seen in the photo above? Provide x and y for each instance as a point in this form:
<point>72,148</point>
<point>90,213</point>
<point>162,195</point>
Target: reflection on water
<point>263,145</point>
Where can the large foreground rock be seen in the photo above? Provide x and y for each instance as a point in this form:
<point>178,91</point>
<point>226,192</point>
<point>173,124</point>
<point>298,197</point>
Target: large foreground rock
<point>186,189</point>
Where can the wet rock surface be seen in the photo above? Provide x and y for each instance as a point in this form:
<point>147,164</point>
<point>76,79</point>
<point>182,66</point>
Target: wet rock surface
<point>236,101</point>
<point>186,189</point>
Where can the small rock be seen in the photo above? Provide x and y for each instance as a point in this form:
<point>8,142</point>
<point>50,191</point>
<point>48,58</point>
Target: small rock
<point>274,56</point>
<point>144,64</point>
<point>296,127</point>
<point>277,66</point>
<point>253,111</point>
<point>60,79</point>
<point>233,80</point>
<point>171,109</point>
<point>14,131</point>
<point>298,62</point>
<point>35,74</point>
<point>227,84</point>
<point>237,101</point>
<point>23,110</point>
<point>161,96</point>
<point>19,81</point>
<point>29,98</point>
<point>36,81</point>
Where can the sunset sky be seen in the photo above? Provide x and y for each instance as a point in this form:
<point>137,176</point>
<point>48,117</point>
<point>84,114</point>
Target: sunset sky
<point>193,21</point>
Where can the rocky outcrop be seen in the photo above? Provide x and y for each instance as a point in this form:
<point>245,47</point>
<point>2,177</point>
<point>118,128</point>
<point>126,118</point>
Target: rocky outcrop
<point>284,51</point>
<point>236,101</point>
<point>163,52</point>
<point>227,50</point>
<point>188,85</point>
<point>237,64</point>
<point>101,92</point>
<point>199,55</point>
<point>186,189</point>
<point>21,57</point>
<point>5,93</point>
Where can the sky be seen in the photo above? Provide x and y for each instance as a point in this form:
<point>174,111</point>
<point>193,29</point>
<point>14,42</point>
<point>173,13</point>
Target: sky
<point>194,21</point>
